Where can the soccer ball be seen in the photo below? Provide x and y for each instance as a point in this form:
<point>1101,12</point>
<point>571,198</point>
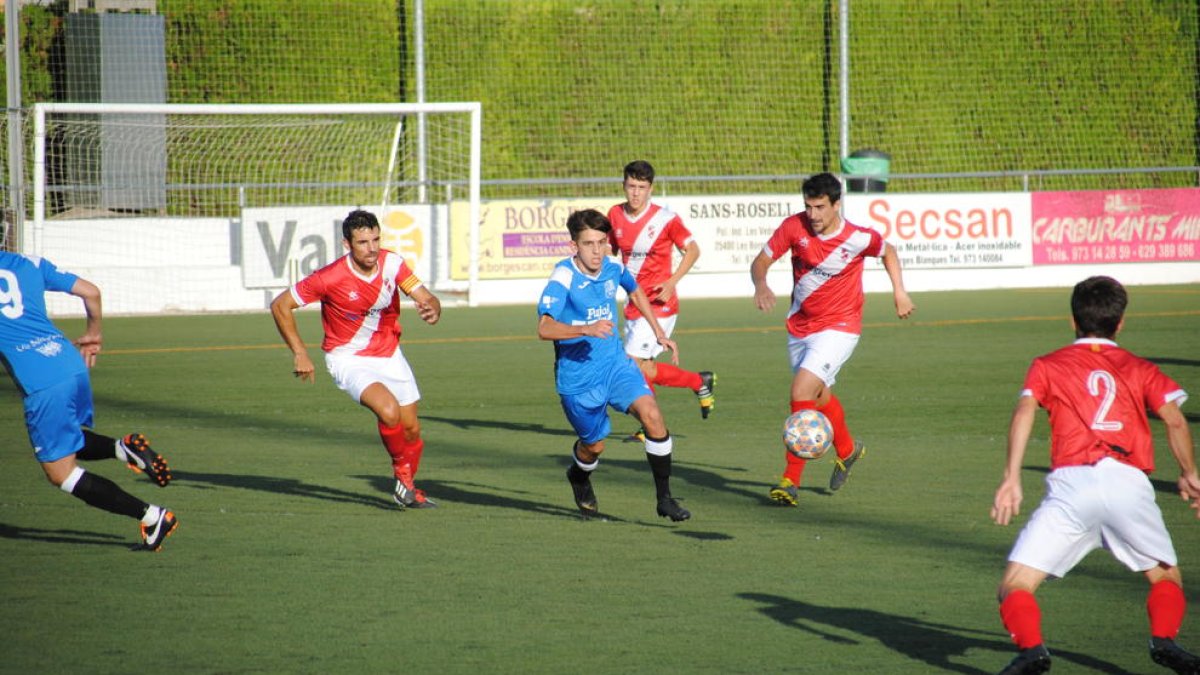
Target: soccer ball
<point>807,434</point>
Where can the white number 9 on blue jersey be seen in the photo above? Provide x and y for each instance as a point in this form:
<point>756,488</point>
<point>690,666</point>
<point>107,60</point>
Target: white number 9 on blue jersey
<point>10,296</point>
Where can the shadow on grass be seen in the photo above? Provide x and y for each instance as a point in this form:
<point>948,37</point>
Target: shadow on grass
<point>481,495</point>
<point>62,536</point>
<point>921,640</point>
<point>286,486</point>
<point>713,478</point>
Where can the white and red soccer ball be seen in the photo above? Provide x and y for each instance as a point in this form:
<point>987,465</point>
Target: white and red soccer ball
<point>807,434</point>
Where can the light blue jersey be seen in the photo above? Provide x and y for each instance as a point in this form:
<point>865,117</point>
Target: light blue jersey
<point>576,299</point>
<point>35,352</point>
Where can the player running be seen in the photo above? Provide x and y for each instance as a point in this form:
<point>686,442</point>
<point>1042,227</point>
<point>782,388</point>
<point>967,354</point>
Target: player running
<point>825,319</point>
<point>1098,493</point>
<point>646,236</point>
<point>360,313</point>
<point>578,311</point>
<point>52,376</point>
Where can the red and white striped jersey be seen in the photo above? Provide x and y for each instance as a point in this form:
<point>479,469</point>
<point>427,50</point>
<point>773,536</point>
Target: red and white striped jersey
<point>1097,395</point>
<point>826,273</point>
<point>647,248</point>
<point>360,315</point>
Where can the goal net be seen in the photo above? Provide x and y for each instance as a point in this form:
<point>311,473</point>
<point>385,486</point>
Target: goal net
<point>185,199</point>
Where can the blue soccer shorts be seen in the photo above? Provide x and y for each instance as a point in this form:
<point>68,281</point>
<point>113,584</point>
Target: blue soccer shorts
<point>587,411</point>
<point>55,416</point>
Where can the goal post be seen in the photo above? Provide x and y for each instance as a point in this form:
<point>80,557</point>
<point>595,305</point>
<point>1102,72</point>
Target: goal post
<point>137,166</point>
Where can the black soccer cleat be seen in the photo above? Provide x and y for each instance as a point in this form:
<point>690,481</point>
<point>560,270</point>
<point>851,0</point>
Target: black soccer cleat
<point>154,535</point>
<point>1167,654</point>
<point>1028,662</point>
<point>669,508</point>
<point>704,394</point>
<point>581,486</point>
<point>142,459</point>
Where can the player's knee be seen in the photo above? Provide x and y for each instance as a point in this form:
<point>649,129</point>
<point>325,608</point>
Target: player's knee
<point>589,452</point>
<point>412,432</point>
<point>649,369</point>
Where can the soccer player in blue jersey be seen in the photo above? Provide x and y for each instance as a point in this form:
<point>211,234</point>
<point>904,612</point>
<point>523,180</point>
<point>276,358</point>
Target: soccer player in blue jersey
<point>52,376</point>
<point>578,311</point>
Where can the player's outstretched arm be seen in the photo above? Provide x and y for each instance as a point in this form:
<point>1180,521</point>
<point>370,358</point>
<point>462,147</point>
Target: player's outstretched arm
<point>550,328</point>
<point>891,264</point>
<point>1007,502</point>
<point>428,305</point>
<point>282,308</point>
<point>764,297</point>
<point>1179,438</point>
<point>89,343</point>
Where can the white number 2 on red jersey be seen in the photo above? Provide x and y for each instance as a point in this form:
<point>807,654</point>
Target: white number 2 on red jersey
<point>1101,383</point>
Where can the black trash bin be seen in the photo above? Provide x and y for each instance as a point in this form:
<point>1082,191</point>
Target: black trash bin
<point>869,170</point>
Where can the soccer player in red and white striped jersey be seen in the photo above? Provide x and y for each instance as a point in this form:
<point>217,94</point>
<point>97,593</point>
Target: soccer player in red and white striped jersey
<point>646,236</point>
<point>360,311</point>
<point>1098,493</point>
<point>825,318</point>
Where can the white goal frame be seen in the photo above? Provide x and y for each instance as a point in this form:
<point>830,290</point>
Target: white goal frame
<point>474,109</point>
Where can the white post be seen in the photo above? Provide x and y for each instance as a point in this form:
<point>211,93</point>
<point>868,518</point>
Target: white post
<point>844,76</point>
<point>419,48</point>
<point>39,178</point>
<point>476,162</point>
<point>16,155</point>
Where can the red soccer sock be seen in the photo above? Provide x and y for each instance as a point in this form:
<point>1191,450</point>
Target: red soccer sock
<point>674,376</point>
<point>412,453</point>
<point>1166,605</point>
<point>843,442</point>
<point>393,442</point>
<point>795,465</point>
<point>1022,618</point>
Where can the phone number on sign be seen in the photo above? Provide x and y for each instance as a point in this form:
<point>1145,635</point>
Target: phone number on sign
<point>1132,252</point>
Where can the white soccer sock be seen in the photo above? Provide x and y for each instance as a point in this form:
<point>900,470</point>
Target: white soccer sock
<point>68,485</point>
<point>660,448</point>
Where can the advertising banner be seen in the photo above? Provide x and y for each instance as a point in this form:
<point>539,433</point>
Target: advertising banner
<point>944,231</point>
<point>1116,226</point>
<point>282,245</point>
<point>518,238</point>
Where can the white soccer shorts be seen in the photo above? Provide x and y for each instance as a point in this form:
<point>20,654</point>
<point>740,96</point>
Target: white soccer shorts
<point>823,354</point>
<point>353,374</point>
<point>640,342</point>
<point>1107,504</point>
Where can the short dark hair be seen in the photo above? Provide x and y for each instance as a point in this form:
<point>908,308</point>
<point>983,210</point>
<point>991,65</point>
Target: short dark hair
<point>640,169</point>
<point>358,220</point>
<point>587,219</point>
<point>823,185</point>
<point>1097,305</point>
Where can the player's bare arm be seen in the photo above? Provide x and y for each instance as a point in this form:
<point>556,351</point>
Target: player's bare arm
<point>429,307</point>
<point>1179,439</point>
<point>764,297</point>
<point>553,329</point>
<point>891,264</point>
<point>89,343</point>
<point>282,310</point>
<point>1007,502</point>
<point>666,290</point>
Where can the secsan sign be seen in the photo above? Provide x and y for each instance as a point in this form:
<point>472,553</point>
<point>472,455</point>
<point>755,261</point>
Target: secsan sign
<point>949,230</point>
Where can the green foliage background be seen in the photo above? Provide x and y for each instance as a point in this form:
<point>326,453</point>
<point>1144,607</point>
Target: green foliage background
<point>572,89</point>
